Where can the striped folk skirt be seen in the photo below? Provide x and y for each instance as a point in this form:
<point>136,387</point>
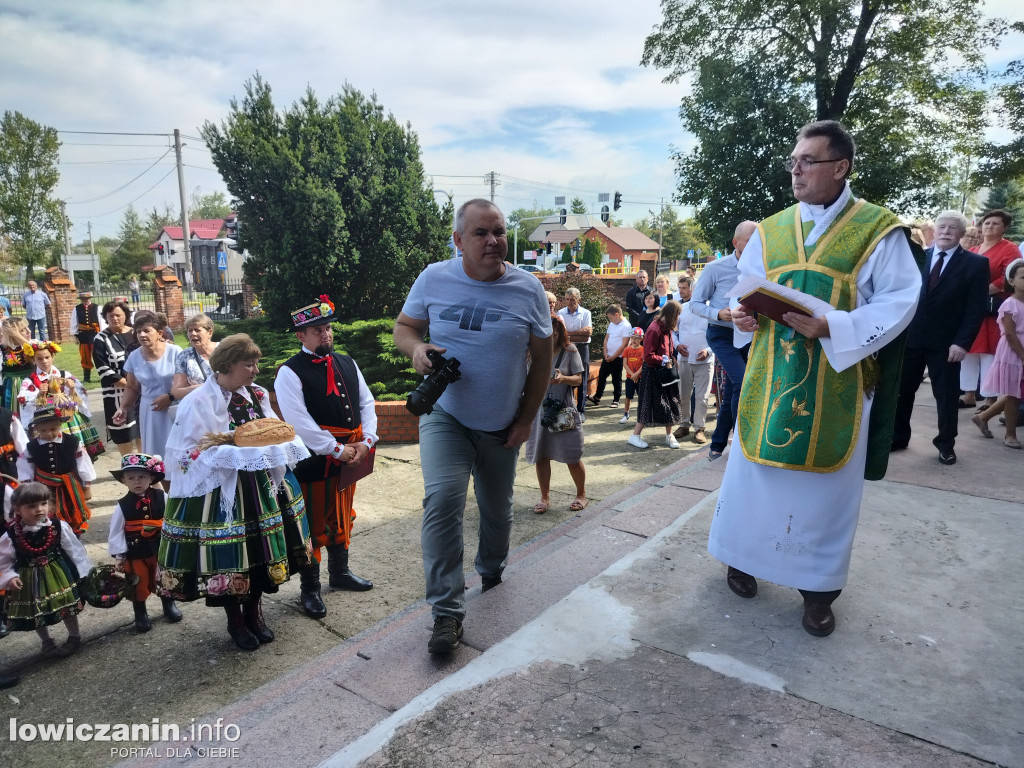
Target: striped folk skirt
<point>226,559</point>
<point>48,596</point>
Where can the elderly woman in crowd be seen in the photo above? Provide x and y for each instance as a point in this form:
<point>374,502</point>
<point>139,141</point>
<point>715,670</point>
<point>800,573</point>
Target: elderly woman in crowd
<point>110,350</point>
<point>971,239</point>
<point>565,446</point>
<point>149,374</point>
<point>662,289</point>
<point>235,526</point>
<point>192,366</point>
<point>1000,252</point>
<point>552,301</point>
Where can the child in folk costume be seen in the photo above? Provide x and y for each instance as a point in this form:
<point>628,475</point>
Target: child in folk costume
<point>41,565</point>
<point>58,461</point>
<point>47,384</point>
<point>13,441</point>
<point>17,359</point>
<point>135,531</point>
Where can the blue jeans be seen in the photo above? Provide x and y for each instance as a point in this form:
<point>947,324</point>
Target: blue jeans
<point>450,454</point>
<point>37,328</point>
<point>735,365</point>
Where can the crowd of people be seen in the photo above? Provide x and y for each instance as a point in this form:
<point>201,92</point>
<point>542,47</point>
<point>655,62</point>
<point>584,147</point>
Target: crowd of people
<point>806,391</point>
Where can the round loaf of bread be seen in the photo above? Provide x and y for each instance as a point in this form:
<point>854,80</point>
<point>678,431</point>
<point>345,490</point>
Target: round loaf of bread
<point>262,432</point>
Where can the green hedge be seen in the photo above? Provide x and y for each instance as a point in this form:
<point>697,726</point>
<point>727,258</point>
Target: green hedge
<point>388,373</point>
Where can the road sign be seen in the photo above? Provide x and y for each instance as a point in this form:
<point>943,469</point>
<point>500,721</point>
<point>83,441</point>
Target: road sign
<point>222,261</point>
<point>689,254</point>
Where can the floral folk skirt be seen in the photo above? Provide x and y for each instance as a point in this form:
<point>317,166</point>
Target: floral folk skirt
<point>49,594</point>
<point>228,559</point>
<point>87,435</point>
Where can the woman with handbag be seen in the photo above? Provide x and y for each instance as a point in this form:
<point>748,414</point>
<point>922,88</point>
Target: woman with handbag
<point>557,431</point>
<point>658,394</point>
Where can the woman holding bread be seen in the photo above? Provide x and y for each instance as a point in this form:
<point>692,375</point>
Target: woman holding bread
<point>235,526</point>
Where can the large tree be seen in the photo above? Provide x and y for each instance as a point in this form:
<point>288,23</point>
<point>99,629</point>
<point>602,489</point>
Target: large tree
<point>1006,161</point>
<point>333,200</point>
<point>213,205</point>
<point>892,70</point>
<point>132,252</point>
<point>677,236</point>
<point>29,213</point>
<point>521,224</point>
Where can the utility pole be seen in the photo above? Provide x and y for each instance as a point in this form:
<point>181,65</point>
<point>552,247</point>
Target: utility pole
<point>492,177</point>
<point>661,231</point>
<point>185,235</point>
<point>95,261</point>
<point>67,237</point>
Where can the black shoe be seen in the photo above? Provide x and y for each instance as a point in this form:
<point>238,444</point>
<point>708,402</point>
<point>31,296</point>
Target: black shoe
<point>239,632</point>
<point>743,584</point>
<point>142,622</point>
<point>489,582</point>
<point>947,457</point>
<point>309,594</point>
<point>253,613</point>
<point>446,634</point>
<point>338,574</point>
<point>818,619</point>
<point>898,445</point>
<point>9,681</point>
<point>594,400</point>
<point>171,611</point>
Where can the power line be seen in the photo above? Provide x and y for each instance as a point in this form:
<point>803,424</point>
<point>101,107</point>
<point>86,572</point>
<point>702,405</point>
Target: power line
<point>125,160</point>
<point>115,133</point>
<point>101,215</point>
<point>103,144</point>
<point>113,192</point>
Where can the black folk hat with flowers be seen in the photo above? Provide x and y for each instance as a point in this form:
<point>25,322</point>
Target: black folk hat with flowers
<point>49,412</point>
<point>141,461</point>
<point>320,312</point>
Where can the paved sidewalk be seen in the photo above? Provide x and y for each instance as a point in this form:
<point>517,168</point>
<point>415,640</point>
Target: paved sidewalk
<point>614,639</point>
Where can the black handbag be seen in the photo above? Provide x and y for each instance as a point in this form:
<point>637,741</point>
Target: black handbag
<point>668,375</point>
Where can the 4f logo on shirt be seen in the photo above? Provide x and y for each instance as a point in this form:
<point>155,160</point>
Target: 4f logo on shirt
<point>471,317</point>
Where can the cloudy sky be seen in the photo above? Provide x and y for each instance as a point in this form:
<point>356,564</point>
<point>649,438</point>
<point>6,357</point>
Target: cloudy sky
<point>549,95</point>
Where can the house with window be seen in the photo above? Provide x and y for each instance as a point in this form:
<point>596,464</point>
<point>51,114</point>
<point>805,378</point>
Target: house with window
<point>208,237</point>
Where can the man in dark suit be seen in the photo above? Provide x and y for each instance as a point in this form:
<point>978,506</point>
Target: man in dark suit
<point>954,290</point>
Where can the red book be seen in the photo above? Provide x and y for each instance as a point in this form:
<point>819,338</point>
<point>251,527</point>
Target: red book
<point>766,302</point>
<point>352,473</point>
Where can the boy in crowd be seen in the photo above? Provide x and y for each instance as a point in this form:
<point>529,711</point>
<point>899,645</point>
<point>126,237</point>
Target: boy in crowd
<point>633,362</point>
<point>615,341</point>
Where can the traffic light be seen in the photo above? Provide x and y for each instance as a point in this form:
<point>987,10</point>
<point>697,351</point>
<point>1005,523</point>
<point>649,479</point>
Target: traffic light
<point>160,248</point>
<point>561,216</point>
<point>618,201</point>
<point>549,249</point>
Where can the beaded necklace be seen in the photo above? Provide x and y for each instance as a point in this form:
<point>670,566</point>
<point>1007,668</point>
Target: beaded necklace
<point>21,535</point>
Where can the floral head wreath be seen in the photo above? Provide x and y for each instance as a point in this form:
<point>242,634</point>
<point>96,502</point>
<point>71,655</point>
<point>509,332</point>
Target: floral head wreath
<point>30,348</point>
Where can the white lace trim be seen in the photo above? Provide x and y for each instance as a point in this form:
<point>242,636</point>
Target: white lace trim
<point>218,468</point>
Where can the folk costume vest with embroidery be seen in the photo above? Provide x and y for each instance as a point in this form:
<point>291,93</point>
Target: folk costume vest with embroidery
<point>143,518</point>
<point>796,411</point>
<point>88,322</point>
<point>55,458</point>
<point>327,410</point>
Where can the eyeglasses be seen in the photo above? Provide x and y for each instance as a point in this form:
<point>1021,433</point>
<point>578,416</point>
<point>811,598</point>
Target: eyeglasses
<point>804,164</point>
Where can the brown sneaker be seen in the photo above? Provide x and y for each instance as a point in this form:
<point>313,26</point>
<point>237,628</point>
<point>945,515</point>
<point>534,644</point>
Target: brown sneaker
<point>699,437</point>
<point>50,649</point>
<point>71,645</point>
<point>681,432</point>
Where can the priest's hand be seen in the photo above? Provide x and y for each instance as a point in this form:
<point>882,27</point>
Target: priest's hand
<point>808,327</point>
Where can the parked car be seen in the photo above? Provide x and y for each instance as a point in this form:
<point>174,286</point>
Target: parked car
<point>583,268</point>
<point>529,267</point>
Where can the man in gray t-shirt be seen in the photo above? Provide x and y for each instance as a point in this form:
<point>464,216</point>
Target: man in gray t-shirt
<point>488,315</point>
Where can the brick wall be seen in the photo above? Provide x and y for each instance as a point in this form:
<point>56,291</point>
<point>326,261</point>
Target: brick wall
<point>63,297</point>
<point>168,297</point>
<point>395,424</point>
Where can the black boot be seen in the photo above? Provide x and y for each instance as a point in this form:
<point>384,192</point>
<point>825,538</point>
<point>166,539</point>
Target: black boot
<point>309,595</point>
<point>239,632</point>
<point>4,631</point>
<point>142,622</point>
<point>86,374</point>
<point>9,681</point>
<point>340,576</point>
<point>252,610</point>
<point>171,611</point>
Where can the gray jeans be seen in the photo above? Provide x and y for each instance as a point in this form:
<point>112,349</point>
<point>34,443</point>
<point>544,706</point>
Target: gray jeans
<point>450,454</point>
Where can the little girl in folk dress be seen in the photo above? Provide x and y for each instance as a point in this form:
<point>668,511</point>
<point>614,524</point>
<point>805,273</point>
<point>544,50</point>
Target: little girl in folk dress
<point>48,384</point>
<point>41,565</point>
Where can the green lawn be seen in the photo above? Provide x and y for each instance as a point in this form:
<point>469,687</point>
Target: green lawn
<point>67,359</point>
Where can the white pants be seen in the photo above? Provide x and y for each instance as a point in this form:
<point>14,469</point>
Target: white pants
<point>694,377</point>
<point>972,373</point>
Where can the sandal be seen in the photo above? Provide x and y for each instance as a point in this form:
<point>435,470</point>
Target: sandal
<point>1012,443</point>
<point>541,507</point>
<point>976,421</point>
<point>579,504</point>
<point>982,408</point>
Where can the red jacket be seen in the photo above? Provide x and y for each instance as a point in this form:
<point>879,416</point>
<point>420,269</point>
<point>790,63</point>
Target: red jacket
<point>657,344</point>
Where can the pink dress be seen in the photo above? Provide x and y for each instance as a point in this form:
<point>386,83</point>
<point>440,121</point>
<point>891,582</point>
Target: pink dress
<point>1006,375</point>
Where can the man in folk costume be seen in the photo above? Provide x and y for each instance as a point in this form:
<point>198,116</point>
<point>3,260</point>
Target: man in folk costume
<point>85,324</point>
<point>816,409</point>
<point>324,396</point>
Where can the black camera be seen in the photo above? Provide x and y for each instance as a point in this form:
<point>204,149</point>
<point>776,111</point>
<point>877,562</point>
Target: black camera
<point>445,370</point>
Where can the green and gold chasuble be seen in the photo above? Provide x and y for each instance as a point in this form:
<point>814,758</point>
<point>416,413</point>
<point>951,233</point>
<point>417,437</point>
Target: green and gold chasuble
<point>796,411</point>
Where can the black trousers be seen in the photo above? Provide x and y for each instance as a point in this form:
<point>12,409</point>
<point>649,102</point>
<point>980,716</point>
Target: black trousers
<point>613,369</point>
<point>581,393</point>
<point>945,379</point>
